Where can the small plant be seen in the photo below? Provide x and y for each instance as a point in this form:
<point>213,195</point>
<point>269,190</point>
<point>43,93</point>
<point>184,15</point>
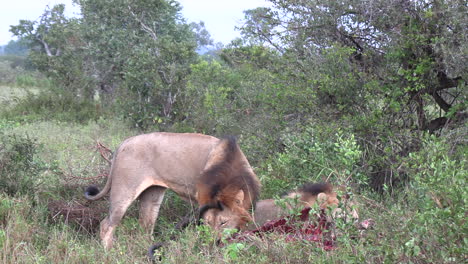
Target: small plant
<point>231,251</point>
<point>205,234</point>
<point>290,205</point>
<point>19,166</point>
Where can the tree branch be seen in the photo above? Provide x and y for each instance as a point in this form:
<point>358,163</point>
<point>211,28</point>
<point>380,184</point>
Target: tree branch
<point>441,102</point>
<point>144,26</point>
<point>445,82</point>
<point>46,46</point>
<point>162,74</point>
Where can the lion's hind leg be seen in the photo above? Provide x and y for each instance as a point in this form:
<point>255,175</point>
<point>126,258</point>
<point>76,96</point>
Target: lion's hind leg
<point>119,205</point>
<point>150,202</point>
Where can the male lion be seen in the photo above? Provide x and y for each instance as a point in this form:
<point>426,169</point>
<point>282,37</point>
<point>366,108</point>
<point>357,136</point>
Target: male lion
<point>214,172</point>
<point>266,210</point>
<point>306,196</point>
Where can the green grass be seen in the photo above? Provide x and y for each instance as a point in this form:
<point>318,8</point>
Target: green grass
<point>409,227</point>
<point>29,237</point>
<point>69,152</point>
<point>10,95</point>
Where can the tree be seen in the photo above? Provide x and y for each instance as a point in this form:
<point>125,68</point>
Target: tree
<point>16,47</point>
<point>56,48</point>
<point>127,49</point>
<point>403,50</point>
<point>145,47</point>
<point>47,33</point>
<point>389,69</point>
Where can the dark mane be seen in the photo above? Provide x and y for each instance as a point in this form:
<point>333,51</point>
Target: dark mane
<point>216,176</point>
<point>227,176</point>
<point>316,188</point>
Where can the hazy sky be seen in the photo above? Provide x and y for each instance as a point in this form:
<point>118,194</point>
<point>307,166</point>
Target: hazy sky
<point>220,16</point>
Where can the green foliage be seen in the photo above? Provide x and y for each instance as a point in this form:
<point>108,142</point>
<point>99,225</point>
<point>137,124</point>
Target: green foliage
<point>6,205</point>
<point>152,72</point>
<point>441,193</point>
<point>48,105</point>
<point>342,53</point>
<point>211,95</point>
<point>339,82</point>
<point>314,154</point>
<point>16,71</point>
<point>19,165</point>
<point>238,54</point>
<point>291,205</point>
<point>16,47</point>
<point>54,42</point>
<point>231,251</point>
<point>91,55</point>
<point>7,73</point>
<point>15,61</point>
<point>344,97</point>
<point>205,234</point>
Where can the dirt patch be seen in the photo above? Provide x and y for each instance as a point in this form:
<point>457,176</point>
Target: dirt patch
<point>79,215</point>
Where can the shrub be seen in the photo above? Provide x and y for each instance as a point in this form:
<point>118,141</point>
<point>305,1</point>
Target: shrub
<point>19,166</point>
<point>315,154</point>
<point>32,79</point>
<point>439,180</point>
<point>17,71</point>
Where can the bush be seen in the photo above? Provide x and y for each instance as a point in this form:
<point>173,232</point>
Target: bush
<point>32,79</point>
<point>314,154</point>
<point>17,71</point>
<point>7,74</point>
<point>19,166</point>
<point>15,61</point>
<point>439,180</point>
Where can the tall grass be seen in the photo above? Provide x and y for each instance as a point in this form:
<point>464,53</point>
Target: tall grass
<point>29,237</point>
<point>16,71</point>
<point>47,105</point>
<point>409,226</point>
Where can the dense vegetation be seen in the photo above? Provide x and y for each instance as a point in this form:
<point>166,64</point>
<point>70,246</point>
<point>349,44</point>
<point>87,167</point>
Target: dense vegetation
<point>368,94</point>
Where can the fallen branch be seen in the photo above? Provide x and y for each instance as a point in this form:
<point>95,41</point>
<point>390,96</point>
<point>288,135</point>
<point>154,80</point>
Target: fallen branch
<point>105,152</point>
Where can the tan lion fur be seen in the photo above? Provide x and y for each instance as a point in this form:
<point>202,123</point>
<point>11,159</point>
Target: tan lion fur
<point>307,196</point>
<point>199,168</point>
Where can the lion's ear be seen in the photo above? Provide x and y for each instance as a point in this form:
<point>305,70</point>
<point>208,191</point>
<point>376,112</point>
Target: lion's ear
<point>322,199</point>
<point>239,198</point>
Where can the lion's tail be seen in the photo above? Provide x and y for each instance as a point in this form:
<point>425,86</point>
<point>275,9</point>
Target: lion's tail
<point>92,192</point>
